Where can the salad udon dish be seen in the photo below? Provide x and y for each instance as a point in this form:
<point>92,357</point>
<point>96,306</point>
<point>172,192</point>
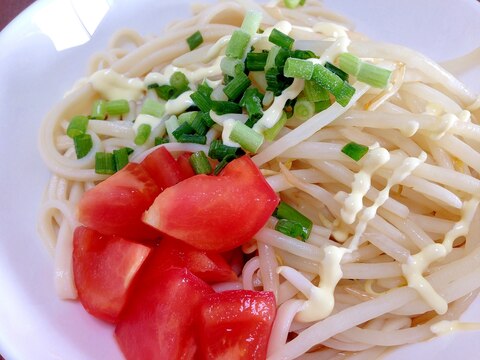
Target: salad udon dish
<point>260,181</point>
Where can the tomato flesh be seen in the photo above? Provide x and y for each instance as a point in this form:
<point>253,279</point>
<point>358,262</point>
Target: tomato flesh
<point>158,321</point>
<point>163,168</point>
<point>115,206</point>
<point>215,213</point>
<point>186,169</point>
<point>208,266</point>
<point>236,324</point>
<point>103,269</point>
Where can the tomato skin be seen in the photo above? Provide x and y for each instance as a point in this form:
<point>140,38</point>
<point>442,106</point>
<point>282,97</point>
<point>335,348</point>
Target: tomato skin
<point>231,319</point>
<point>103,268</point>
<point>216,213</point>
<point>163,168</point>
<point>116,205</point>
<point>186,169</point>
<point>158,322</point>
<point>209,266</point>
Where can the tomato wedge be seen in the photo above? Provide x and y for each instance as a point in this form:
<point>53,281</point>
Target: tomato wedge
<point>115,206</point>
<point>186,169</point>
<point>163,168</point>
<point>208,266</point>
<point>103,269</point>
<point>158,322</point>
<point>236,324</point>
<point>215,213</point>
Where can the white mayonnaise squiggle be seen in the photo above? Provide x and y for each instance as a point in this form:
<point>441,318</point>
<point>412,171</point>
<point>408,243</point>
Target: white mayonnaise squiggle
<point>418,263</point>
<point>399,174</point>
<point>373,160</point>
<point>113,86</point>
<point>321,298</point>
<point>273,113</point>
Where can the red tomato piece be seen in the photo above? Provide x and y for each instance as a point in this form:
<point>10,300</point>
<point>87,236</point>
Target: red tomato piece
<point>159,319</point>
<point>103,268</point>
<point>163,168</point>
<point>186,169</point>
<point>116,205</point>
<point>236,324</point>
<point>215,213</point>
<point>208,266</point>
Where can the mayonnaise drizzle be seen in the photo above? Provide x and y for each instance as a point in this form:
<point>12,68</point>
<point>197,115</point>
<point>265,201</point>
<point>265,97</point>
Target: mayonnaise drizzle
<point>399,174</point>
<point>418,263</point>
<point>146,119</point>
<point>374,159</point>
<point>321,298</point>
<point>180,104</point>
<point>227,130</point>
<point>273,113</point>
<point>112,85</point>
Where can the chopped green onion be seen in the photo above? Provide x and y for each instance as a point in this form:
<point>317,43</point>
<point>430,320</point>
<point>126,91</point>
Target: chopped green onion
<point>153,108</point>
<point>98,110</point>
<point>342,90</point>
<point>201,98</point>
<point>337,71</point>
<point>281,58</point>
<point>271,134</point>
<point>354,150</point>
<point>248,139</point>
<point>200,163</point>
<point>226,107</point>
<point>198,124</point>
<point>322,105</point>
<point>195,40</point>
<point>290,228</point>
<point>143,132</point>
<point>272,54</point>
<point>256,61</point>
<point>278,38</point>
<point>121,158</point>
<point>83,144</point>
<point>251,22</point>
<point>303,54</point>
<point>237,46</point>
<point>252,101</point>
<point>117,107</point>
<point>187,116</point>
<point>297,68</point>
<point>303,109</point>
<point>237,86</point>
<point>315,92</point>
<point>224,162</point>
<point>192,138</point>
<point>276,82</point>
<point>161,140</point>
<point>365,72</point>
<point>105,163</point>
<point>292,4</point>
<point>171,125</point>
<point>207,119</point>
<point>165,92</point>
<point>349,63</point>
<point>231,66</point>
<point>219,151</point>
<point>179,81</point>
<point>77,126</point>
<point>285,211</point>
<point>184,128</point>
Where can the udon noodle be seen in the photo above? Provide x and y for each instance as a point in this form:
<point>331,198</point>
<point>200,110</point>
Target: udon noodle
<point>395,245</point>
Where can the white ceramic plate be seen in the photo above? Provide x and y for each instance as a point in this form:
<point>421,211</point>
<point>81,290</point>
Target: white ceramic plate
<point>43,52</point>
